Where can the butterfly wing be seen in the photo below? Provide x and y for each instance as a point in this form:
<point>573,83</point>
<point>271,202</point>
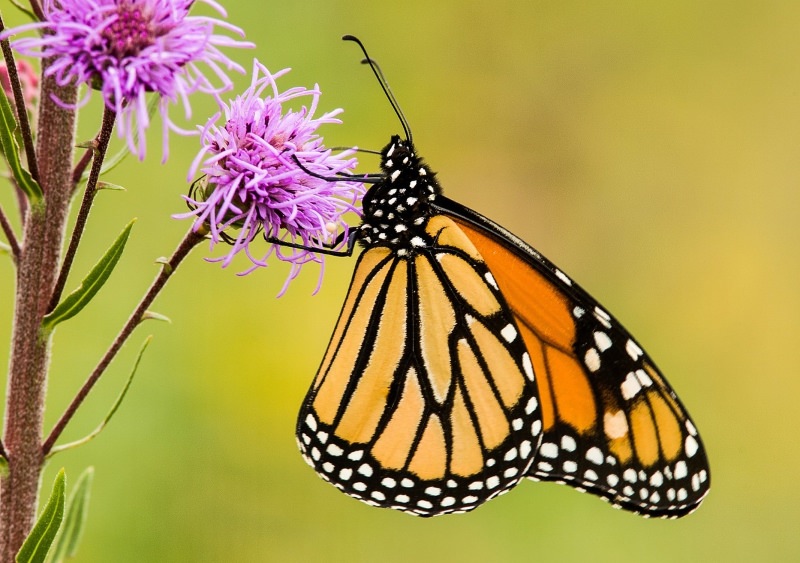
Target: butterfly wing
<point>425,400</point>
<point>612,424</point>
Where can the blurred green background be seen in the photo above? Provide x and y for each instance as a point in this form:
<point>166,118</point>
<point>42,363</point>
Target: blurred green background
<point>649,149</point>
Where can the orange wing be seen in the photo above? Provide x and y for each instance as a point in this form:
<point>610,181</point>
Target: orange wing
<point>612,424</point>
<point>425,400</point>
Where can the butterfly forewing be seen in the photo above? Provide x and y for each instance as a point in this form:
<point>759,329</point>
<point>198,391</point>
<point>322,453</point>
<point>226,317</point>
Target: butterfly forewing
<point>612,424</point>
<point>425,400</point>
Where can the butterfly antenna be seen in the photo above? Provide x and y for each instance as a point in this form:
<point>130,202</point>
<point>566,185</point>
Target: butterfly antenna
<point>384,85</point>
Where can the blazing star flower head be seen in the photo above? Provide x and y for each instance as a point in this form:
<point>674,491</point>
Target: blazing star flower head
<point>128,48</point>
<point>267,171</point>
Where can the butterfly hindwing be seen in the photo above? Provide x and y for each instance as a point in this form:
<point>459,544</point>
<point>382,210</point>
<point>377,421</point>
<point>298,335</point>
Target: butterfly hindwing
<point>612,424</point>
<point>425,400</point>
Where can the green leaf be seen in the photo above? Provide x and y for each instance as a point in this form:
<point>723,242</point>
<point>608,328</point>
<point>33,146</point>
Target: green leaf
<point>8,124</point>
<point>37,544</point>
<point>3,467</point>
<point>113,410</point>
<point>75,520</point>
<point>110,186</point>
<point>78,299</point>
<point>156,317</point>
<point>25,10</point>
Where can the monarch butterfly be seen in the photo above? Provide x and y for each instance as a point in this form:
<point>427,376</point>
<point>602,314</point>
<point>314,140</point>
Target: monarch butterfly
<point>464,361</point>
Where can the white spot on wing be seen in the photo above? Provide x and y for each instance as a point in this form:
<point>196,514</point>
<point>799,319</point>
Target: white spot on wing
<point>311,422</point>
<point>633,350</point>
<point>592,360</point>
<point>334,450</point>
<point>630,387</point>
<point>603,317</point>
<point>643,378</point>
<point>548,449</point>
<point>594,455</point>
<point>691,446</point>
<point>563,277</point>
<point>602,340</point>
<point>509,333</point>
<point>527,366</point>
<point>615,425</point>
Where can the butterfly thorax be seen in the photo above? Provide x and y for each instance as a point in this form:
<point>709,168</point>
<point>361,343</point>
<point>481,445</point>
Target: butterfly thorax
<point>397,208</point>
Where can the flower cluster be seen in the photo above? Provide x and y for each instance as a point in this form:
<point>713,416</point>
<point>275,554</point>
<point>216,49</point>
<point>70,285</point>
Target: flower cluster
<point>266,171</point>
<point>129,48</point>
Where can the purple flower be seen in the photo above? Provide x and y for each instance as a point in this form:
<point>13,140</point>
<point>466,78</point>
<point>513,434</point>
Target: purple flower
<point>128,48</point>
<point>253,183</point>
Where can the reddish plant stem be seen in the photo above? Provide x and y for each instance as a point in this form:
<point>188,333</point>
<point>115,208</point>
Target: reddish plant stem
<point>37,268</point>
<point>37,10</point>
<point>83,163</point>
<point>109,116</point>
<point>191,240</point>
<point>10,236</point>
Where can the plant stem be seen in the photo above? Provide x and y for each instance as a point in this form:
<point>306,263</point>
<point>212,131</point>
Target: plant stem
<point>84,161</point>
<point>10,236</point>
<point>109,116</point>
<point>191,240</point>
<point>40,249</point>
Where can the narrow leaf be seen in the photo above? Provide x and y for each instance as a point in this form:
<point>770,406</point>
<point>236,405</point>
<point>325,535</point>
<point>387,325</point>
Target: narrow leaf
<point>113,410</point>
<point>8,124</point>
<point>156,317</point>
<point>78,299</point>
<point>109,186</point>
<point>75,520</point>
<point>36,545</point>
<point>25,10</point>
